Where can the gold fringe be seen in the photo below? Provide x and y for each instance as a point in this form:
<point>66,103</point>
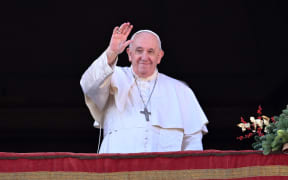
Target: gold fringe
<point>245,172</point>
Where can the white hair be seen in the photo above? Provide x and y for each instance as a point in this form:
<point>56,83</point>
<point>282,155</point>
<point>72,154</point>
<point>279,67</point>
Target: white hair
<point>147,31</point>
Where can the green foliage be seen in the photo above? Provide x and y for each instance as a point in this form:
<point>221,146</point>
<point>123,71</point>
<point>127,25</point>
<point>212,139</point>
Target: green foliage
<point>276,135</point>
<point>272,127</point>
<point>279,140</point>
<point>266,144</point>
<point>257,145</point>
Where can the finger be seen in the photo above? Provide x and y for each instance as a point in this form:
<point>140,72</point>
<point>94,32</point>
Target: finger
<point>130,27</point>
<point>126,27</point>
<point>123,27</point>
<point>125,44</point>
<point>115,30</point>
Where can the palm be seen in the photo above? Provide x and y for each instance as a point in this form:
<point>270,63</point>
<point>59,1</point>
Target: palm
<point>118,40</point>
<point>117,43</point>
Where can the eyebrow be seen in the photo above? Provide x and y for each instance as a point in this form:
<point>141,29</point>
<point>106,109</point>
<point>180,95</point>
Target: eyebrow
<point>139,47</point>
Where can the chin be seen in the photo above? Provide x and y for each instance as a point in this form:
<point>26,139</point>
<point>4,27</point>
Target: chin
<point>144,70</point>
<point>145,74</point>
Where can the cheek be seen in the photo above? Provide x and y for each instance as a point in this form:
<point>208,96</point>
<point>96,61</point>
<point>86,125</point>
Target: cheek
<point>157,60</point>
<point>138,59</point>
<point>132,58</point>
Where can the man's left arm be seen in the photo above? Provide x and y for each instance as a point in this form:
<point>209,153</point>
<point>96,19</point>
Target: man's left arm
<point>192,141</point>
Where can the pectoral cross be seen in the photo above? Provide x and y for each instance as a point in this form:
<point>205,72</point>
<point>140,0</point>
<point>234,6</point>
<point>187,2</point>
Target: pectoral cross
<point>146,113</point>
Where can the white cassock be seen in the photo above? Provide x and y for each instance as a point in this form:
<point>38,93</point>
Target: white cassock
<point>176,122</point>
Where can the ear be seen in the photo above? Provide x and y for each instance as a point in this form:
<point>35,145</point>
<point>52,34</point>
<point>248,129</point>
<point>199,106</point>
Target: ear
<point>160,56</point>
<point>129,54</point>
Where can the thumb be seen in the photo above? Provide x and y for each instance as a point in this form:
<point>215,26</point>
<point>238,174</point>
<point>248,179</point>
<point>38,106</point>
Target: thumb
<point>126,43</point>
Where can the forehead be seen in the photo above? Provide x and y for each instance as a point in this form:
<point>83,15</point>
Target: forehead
<point>145,40</point>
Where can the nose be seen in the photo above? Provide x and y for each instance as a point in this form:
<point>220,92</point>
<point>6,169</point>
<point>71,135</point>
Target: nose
<point>144,56</point>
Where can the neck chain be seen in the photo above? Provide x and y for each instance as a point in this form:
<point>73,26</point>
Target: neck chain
<point>145,112</point>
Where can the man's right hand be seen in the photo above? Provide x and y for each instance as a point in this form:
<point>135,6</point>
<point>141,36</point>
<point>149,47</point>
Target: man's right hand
<point>118,42</point>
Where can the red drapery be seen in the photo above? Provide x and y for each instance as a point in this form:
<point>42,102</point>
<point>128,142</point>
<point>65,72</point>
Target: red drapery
<point>208,164</point>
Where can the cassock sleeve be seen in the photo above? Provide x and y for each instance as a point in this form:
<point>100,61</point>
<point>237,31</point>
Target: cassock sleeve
<point>95,83</point>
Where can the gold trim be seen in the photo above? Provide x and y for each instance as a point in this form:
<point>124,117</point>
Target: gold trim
<point>133,156</point>
<point>245,172</point>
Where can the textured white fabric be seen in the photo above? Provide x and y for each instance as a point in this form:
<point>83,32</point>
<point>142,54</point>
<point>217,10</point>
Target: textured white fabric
<point>176,121</point>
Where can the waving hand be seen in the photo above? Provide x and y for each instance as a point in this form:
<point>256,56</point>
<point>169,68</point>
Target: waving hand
<point>118,41</point>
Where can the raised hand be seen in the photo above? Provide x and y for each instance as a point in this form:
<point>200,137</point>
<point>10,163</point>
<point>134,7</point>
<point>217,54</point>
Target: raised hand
<point>118,41</point>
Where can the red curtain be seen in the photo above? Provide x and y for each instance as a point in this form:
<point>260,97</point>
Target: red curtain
<point>208,164</point>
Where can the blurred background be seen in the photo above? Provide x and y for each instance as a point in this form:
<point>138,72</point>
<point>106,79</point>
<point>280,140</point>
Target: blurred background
<point>233,54</point>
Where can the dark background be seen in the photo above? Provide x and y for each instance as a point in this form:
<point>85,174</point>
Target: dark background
<point>233,54</point>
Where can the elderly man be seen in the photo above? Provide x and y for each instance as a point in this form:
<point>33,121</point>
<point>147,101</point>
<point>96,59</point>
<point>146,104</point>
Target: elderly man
<point>140,109</point>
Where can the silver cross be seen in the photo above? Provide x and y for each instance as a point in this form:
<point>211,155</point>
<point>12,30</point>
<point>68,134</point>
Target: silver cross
<point>146,113</point>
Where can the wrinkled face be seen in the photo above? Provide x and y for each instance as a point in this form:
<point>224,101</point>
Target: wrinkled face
<point>144,54</point>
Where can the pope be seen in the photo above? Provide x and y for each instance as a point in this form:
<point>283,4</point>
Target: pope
<point>139,108</point>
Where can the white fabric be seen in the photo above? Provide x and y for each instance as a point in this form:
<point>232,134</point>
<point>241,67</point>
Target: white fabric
<point>176,121</point>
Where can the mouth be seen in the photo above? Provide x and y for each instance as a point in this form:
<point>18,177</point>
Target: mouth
<point>144,65</point>
<point>144,62</point>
